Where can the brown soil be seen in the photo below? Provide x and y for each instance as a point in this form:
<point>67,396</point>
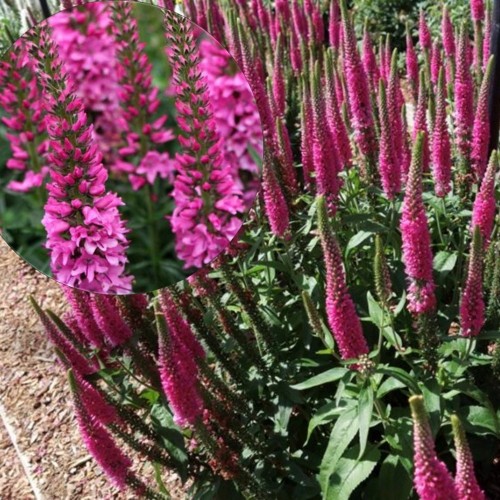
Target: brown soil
<point>42,455</point>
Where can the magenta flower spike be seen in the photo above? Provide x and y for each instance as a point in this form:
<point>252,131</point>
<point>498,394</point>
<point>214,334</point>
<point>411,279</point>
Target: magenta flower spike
<point>178,327</point>
<point>369,60</point>
<point>431,477</point>
<point>472,307</point>
<point>99,442</point>
<point>477,10</point>
<point>483,211</point>
<point>389,164</point>
<point>325,155</point>
<point>85,233</point>
<point>341,312</point>
<point>481,127</point>
<point>299,20</point>
<point>278,80</point>
<point>109,320</point>
<point>411,64</point>
<point>203,225</point>
<point>395,102</point>
<point>465,478</point>
<point>307,130</point>
<point>179,377</point>
<point>274,199</point>
<point>417,253</point>
<point>441,149</point>
<point>358,89</point>
<point>139,101</point>
<point>436,63</point>
<point>335,121</point>
<point>77,360</point>
<point>464,97</point>
<point>448,34</point>
<point>94,402</point>
<point>334,25</point>
<point>424,35</point>
<point>26,122</point>
<point>420,122</point>
<point>79,302</point>
<point>80,35</point>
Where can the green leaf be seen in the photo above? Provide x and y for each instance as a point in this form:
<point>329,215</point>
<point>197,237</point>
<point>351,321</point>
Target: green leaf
<point>407,379</point>
<point>394,483</point>
<point>356,240</point>
<point>389,385</point>
<point>323,378</point>
<point>376,313</point>
<point>479,420</point>
<point>350,473</point>
<point>431,392</point>
<point>343,432</point>
<point>325,414</point>
<point>444,261</point>
<point>365,411</point>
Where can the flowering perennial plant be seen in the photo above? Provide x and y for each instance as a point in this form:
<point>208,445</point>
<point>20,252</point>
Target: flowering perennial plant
<point>360,300</point>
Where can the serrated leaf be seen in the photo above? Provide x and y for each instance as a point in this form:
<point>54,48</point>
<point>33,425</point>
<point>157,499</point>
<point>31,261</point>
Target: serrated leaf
<point>389,385</point>
<point>325,414</point>
<point>350,473</point>
<point>394,483</point>
<point>343,432</point>
<point>376,313</point>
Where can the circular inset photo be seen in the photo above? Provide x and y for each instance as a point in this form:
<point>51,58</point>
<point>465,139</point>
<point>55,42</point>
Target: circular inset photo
<point>130,147</point>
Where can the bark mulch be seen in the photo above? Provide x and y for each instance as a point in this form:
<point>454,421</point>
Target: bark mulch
<point>42,454</point>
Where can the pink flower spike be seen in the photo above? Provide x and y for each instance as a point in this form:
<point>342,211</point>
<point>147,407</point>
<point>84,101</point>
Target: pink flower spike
<point>465,479</point>
<point>483,211</point>
<point>417,252</point>
<point>431,477</point>
<point>448,34</point>
<point>481,127</point>
<point>389,165</point>
<point>342,317</point>
<point>477,10</point>
<point>274,200</point>
<point>441,149</point>
<point>420,122</point>
<point>424,35</point>
<point>472,308</point>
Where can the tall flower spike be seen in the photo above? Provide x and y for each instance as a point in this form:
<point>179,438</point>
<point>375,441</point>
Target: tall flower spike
<point>341,312</point>
<point>395,102</point>
<point>465,479</point>
<point>464,98</point>
<point>203,225</point>
<point>487,37</point>
<point>306,131</point>
<point>333,113</point>
<point>472,308</point>
<point>411,64</point>
<point>369,60</point>
<point>420,122</point>
<point>325,156</point>
<point>107,316</point>
<point>358,90</point>
<point>389,165</point>
<point>274,199</point>
<point>21,100</point>
<point>334,25</point>
<point>431,477</point>
<point>441,149</point>
<point>424,35</point>
<point>448,34</point>
<point>179,375</point>
<point>436,63</point>
<point>383,285</point>
<point>477,10</point>
<point>417,253</point>
<point>279,90</point>
<point>481,127</point>
<point>99,442</point>
<point>85,233</point>
<point>483,211</point>
<point>138,98</point>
